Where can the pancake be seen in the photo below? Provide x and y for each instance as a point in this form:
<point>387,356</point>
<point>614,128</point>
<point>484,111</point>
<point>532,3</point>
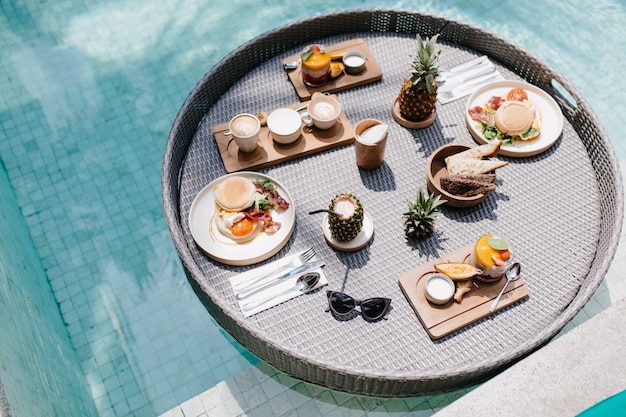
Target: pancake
<point>514,118</point>
<point>235,193</point>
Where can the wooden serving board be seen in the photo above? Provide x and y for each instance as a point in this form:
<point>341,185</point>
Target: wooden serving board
<point>268,153</point>
<point>372,71</point>
<point>442,320</point>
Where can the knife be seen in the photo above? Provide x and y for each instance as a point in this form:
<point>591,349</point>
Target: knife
<point>458,80</point>
<point>295,272</point>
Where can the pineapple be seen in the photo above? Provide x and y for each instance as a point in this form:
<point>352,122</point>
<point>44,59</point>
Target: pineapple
<point>419,220</point>
<point>418,95</point>
<point>346,220</point>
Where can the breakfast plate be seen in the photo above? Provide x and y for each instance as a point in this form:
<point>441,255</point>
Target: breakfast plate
<point>220,247</point>
<point>550,113</point>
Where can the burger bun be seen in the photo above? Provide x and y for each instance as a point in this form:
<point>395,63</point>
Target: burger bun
<point>235,193</point>
<point>514,118</point>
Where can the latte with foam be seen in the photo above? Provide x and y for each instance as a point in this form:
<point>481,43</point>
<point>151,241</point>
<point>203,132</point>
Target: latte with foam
<point>244,126</point>
<point>324,110</point>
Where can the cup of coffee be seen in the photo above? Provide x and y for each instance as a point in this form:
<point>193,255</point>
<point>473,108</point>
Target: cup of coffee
<point>323,112</point>
<point>285,125</point>
<point>244,128</point>
<point>370,141</point>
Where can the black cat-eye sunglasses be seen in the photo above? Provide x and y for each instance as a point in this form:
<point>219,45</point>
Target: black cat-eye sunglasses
<point>372,309</point>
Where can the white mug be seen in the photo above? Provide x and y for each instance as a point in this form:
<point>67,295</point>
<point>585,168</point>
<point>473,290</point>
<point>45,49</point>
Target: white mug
<point>244,128</point>
<point>322,112</point>
<point>285,124</point>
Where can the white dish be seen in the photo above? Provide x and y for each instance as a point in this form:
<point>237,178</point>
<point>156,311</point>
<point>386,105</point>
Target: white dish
<point>225,250</point>
<point>551,127</point>
<point>359,242</point>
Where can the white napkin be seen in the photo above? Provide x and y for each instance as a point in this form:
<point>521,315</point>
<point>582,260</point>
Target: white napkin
<point>457,75</point>
<point>275,294</point>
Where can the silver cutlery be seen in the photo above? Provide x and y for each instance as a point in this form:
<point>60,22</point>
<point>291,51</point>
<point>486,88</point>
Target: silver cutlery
<point>459,80</point>
<point>304,284</point>
<point>469,87</point>
<point>266,284</point>
<point>511,274</point>
<point>301,259</point>
<point>444,75</point>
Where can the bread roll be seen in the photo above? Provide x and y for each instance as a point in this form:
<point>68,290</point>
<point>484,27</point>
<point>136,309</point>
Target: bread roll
<point>235,193</point>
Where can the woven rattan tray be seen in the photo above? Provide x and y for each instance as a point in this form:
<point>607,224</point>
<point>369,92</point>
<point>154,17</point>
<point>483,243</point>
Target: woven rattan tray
<point>563,210</point>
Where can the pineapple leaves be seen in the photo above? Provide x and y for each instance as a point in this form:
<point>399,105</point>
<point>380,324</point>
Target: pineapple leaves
<point>426,63</point>
<point>419,220</point>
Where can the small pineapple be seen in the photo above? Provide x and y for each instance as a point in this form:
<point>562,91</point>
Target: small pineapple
<point>346,224</point>
<point>419,220</point>
<point>418,95</point>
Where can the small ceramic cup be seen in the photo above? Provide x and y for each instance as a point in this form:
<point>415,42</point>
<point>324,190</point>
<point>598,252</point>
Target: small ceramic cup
<point>285,125</point>
<point>370,142</point>
<point>322,112</point>
<point>439,289</point>
<point>354,62</point>
<point>245,128</point>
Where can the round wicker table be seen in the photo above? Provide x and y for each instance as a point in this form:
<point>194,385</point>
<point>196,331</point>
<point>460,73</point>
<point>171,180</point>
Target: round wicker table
<point>562,209</point>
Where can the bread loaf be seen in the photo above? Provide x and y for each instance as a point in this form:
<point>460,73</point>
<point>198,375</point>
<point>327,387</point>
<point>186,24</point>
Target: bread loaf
<point>468,185</point>
<point>471,162</point>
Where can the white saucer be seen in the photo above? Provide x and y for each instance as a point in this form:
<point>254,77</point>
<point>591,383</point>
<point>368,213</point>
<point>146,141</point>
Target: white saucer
<point>359,242</point>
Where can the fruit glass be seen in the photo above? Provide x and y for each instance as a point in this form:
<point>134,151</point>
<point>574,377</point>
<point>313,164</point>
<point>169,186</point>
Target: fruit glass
<point>316,67</point>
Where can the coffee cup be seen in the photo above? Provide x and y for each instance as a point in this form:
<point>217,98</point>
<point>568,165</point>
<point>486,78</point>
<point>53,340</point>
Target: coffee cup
<point>244,128</point>
<point>370,141</point>
<point>323,112</point>
<point>285,125</point>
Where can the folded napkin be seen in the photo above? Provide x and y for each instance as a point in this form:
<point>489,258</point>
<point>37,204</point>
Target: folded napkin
<point>462,80</point>
<point>274,295</point>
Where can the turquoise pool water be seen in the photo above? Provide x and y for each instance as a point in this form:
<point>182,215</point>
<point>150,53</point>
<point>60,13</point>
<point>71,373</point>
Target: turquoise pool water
<point>89,91</point>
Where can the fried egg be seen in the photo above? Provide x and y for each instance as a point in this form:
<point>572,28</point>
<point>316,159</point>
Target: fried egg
<point>237,226</point>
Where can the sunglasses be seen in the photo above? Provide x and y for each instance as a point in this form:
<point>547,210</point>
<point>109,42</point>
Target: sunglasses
<point>372,309</point>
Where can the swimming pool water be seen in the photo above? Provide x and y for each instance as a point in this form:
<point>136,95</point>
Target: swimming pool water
<point>89,91</point>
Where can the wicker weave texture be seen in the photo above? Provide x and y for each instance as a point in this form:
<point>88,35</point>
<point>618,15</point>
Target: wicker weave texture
<point>561,209</point>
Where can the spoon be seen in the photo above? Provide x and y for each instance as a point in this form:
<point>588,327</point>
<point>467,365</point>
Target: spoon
<point>511,274</point>
<point>291,65</point>
<point>304,284</point>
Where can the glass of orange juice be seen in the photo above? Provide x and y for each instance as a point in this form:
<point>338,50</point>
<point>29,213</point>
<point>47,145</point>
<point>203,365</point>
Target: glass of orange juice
<point>315,66</point>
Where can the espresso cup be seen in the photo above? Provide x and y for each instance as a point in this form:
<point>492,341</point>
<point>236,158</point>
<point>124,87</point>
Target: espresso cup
<point>370,141</point>
<point>323,112</point>
<point>244,128</point>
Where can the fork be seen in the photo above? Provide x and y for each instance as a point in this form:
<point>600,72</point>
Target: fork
<point>462,89</point>
<point>299,260</point>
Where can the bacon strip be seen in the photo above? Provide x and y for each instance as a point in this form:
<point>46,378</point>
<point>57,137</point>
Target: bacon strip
<point>273,196</point>
<point>270,226</point>
<point>479,114</point>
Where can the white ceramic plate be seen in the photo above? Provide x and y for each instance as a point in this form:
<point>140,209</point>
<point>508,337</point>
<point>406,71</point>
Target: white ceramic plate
<point>551,127</point>
<point>224,249</point>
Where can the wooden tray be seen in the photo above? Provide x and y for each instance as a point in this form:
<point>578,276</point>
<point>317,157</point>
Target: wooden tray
<point>270,153</point>
<point>372,71</point>
<point>442,320</point>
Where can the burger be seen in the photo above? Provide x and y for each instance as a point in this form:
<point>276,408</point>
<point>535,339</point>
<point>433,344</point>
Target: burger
<point>243,208</point>
<point>515,119</point>
<point>232,197</point>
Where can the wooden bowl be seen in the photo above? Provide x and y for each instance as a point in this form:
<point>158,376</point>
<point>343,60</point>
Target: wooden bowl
<point>436,169</point>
